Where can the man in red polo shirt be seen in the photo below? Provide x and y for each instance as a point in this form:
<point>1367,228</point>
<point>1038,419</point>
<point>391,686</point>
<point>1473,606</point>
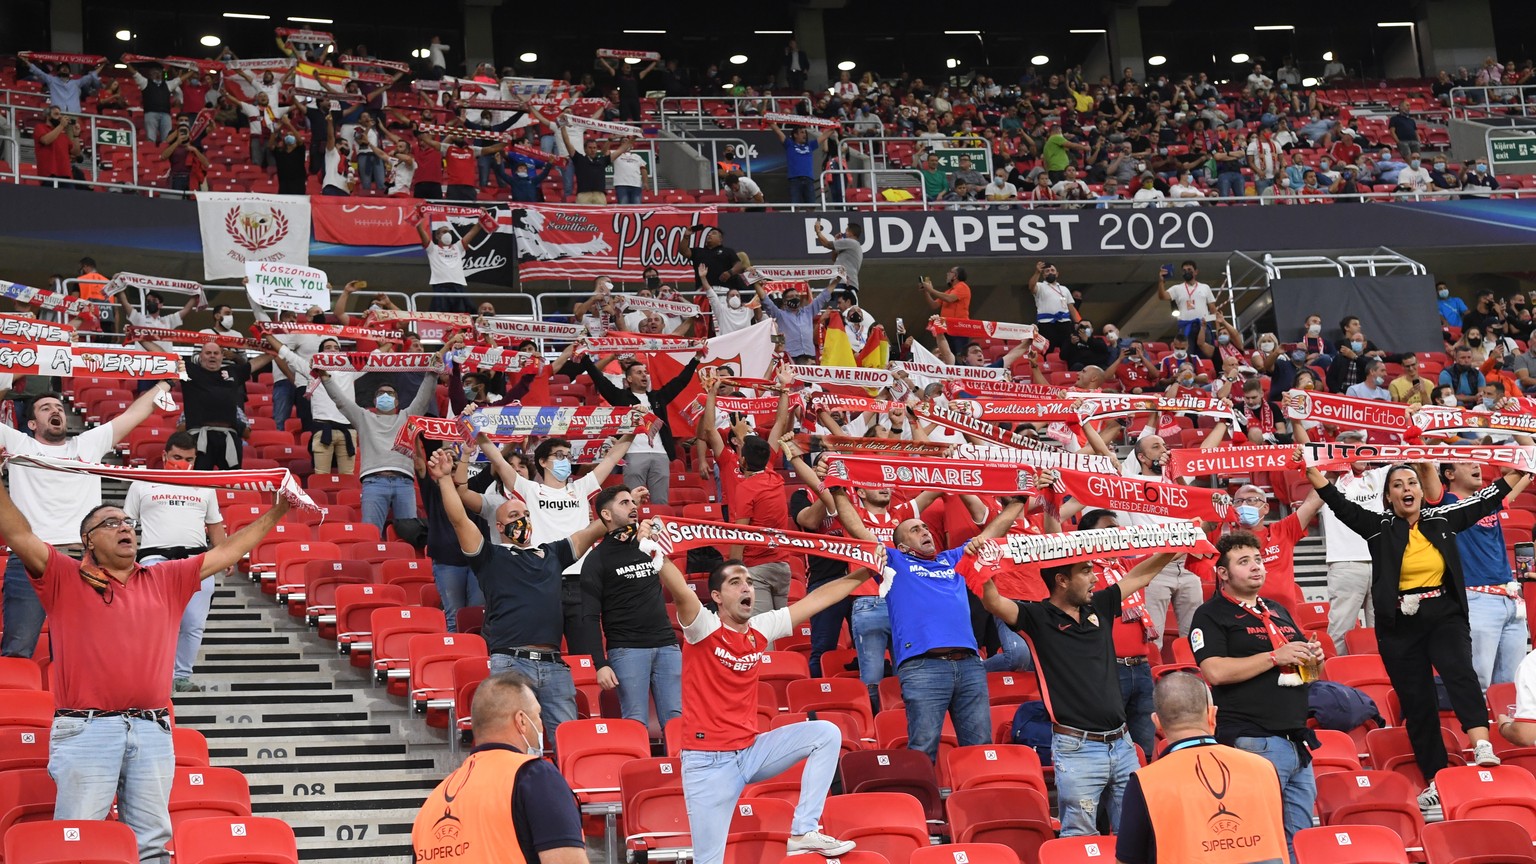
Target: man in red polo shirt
<point>722,750</point>
<point>760,501</point>
<point>113,625</point>
<point>1134,369</point>
<point>460,179</point>
<point>55,139</point>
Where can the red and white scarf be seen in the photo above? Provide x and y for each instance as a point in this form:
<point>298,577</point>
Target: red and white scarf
<point>1195,462</point>
<point>1083,461</point>
<point>835,402</point>
<point>972,329</point>
<point>591,124</point>
<point>278,480</point>
<point>21,328</point>
<point>846,376</point>
<point>58,57</point>
<point>397,65</point>
<point>519,329</point>
<point>123,281</point>
<point>800,120</point>
<point>586,421</point>
<point>873,446</point>
<point>1003,554</point>
<point>950,475</point>
<point>639,345</point>
<point>1350,413</point>
<point>133,333</point>
<point>1002,390</point>
<point>674,308</point>
<point>678,535</point>
<point>959,422</point>
<point>1133,606</point>
<point>1334,457</point>
<point>24,358</point>
<point>340,331</point>
<point>798,274</point>
<point>1289,677</point>
<point>50,300</point>
<point>401,316</point>
<point>1141,495</point>
<point>948,372</point>
<point>622,54</point>
<point>497,359</point>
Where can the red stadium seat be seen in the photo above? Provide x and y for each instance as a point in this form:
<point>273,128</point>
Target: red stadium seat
<point>1082,849</point>
<point>1361,640</point>
<point>905,771</point>
<point>1390,750</point>
<point>759,831</point>
<point>321,579</point>
<point>1497,792</point>
<point>1357,844</point>
<point>20,673</point>
<point>355,605</point>
<point>887,823</point>
<point>1381,798</point>
<point>23,747</point>
<point>378,553</point>
<point>28,708</point>
<point>1477,841</point>
<point>857,856</point>
<point>75,841</point>
<point>468,672</point>
<point>890,693</point>
<point>778,669</point>
<point>1017,818</point>
<point>288,569</point>
<point>783,787</point>
<point>825,695</point>
<point>593,753</point>
<point>983,766</point>
<point>432,660</point>
<point>349,532</point>
<point>200,791</point>
<point>225,840</point>
<point>1011,688</point>
<point>655,816</point>
<point>392,631</point>
<point>965,853</point>
<point>1337,752</point>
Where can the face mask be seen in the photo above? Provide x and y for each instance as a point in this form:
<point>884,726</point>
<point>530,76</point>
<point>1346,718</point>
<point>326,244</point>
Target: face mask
<point>733,301</point>
<point>1189,275</point>
<point>1186,380</point>
<point>1323,164</point>
<point>1180,354</point>
<point>1223,338</point>
<point>1414,163</point>
<point>1475,341</point>
<point>290,140</point>
<point>1381,381</point>
<point>1448,401</point>
<point>152,307</point>
<point>1439,166</point>
<point>854,317</point>
<point>176,464</point>
<point>1314,330</point>
<point>469,394</point>
<point>227,322</point>
<point>1356,346</point>
<point>653,282</point>
<point>317,318</point>
<point>518,531</point>
<point>1482,169</point>
<point>1248,515</point>
<point>1051,278</point>
<point>561,468</point>
<point>1266,346</point>
<point>1488,403</point>
<point>1112,336</point>
<point>385,402</point>
<point>1443,293</point>
<point>1298,356</point>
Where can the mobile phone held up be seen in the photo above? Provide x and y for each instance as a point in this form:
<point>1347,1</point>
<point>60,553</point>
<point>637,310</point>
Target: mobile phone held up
<point>1525,561</point>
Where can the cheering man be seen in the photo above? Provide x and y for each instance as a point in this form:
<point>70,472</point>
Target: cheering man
<point>1071,637</point>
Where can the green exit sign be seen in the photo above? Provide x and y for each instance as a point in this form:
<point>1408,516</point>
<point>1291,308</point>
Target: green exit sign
<point>1511,154</point>
<point>114,138</point>
<point>949,159</point>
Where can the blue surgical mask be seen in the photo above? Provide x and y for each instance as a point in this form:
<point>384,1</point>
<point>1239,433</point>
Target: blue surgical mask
<point>561,468</point>
<point>1481,168</point>
<point>469,394</point>
<point>1223,338</point>
<point>1356,346</point>
<point>1323,164</point>
<point>1488,403</point>
<point>385,402</point>
<point>290,140</point>
<point>1248,515</point>
<point>1439,166</point>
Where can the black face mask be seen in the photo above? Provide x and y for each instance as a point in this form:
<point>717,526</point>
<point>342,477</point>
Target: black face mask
<point>1189,275</point>
<point>318,318</point>
<point>152,307</point>
<point>653,282</point>
<point>854,317</point>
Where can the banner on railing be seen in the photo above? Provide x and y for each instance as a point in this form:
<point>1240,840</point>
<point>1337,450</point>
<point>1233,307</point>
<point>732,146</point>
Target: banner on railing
<point>559,242</point>
<point>239,227</point>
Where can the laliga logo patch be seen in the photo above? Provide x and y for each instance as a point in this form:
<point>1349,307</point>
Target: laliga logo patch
<point>255,228</point>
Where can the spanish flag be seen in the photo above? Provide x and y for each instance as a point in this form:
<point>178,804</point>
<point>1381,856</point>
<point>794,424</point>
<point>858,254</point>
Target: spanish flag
<point>845,344</point>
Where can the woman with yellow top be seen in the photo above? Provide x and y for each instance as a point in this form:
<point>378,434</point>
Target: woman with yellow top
<point>1421,605</point>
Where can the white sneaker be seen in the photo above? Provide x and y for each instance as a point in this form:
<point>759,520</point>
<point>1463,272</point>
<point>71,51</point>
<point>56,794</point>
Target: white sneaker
<point>1483,755</point>
<point>1430,797</point>
<point>821,844</point>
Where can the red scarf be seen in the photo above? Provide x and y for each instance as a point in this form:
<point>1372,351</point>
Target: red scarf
<point>1349,412</point>
<point>279,480</point>
<point>1133,606</point>
<point>25,358</point>
<point>958,422</point>
<point>950,475</point>
<point>678,535</point>
<point>1196,462</point>
<point>1141,495</point>
<point>1006,554</point>
<point>22,328</point>
<point>1335,457</point>
<point>189,337</point>
<point>279,328</point>
<point>982,329</point>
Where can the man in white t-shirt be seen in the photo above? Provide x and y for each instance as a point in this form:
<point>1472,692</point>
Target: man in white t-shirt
<point>290,383</point>
<point>445,257</point>
<point>153,316</point>
<point>731,310</point>
<point>1053,305</point>
<point>1346,553</point>
<point>336,179</point>
<point>53,502</point>
<point>629,173</point>
<point>742,190</point>
<point>179,522</point>
<point>266,117</point>
<point>1194,300</point>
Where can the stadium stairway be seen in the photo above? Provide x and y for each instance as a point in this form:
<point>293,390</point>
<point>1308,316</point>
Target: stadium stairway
<point>322,748</point>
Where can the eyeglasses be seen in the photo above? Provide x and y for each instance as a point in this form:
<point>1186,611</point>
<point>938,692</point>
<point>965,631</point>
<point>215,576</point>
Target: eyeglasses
<point>1255,501</point>
<point>113,523</point>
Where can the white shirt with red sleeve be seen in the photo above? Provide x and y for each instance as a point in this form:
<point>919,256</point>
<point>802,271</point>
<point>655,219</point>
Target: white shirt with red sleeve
<point>720,678</point>
<point>1525,691</point>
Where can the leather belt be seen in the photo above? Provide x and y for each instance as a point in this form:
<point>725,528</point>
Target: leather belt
<point>1138,660</point>
<point>1111,735</point>
<point>530,654</point>
<point>951,654</point>
<point>156,714</point>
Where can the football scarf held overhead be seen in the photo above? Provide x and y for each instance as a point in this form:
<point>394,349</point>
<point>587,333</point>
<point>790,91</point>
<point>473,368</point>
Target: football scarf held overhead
<point>1002,390</point>
<point>1141,495</point>
<point>57,57</point>
<point>679,535</point>
<point>50,300</point>
<point>497,359</point>
<point>958,422</point>
<point>622,54</point>
<point>1349,412</point>
<point>134,333</point>
<point>947,372</point>
<point>24,358</point>
<point>1439,420</point>
<point>519,329</point>
<point>761,408</point>
<point>834,402</point>
<point>674,308</point>
<point>1000,556</point>
<point>638,345</point>
<point>123,281</point>
<point>847,376</point>
<point>374,361</point>
<point>623,130</point>
<point>1022,411</point>
<point>875,446</point>
<point>466,132</point>
<point>587,421</point>
<point>950,475</point>
<point>1335,457</point>
<point>19,328</point>
<point>397,65</point>
<point>1089,462</point>
<point>982,329</point>
<point>1195,462</point>
<point>1099,406</point>
<point>340,331</point>
<point>800,120</point>
<point>278,480</point>
<point>400,316</point>
<point>794,273</point>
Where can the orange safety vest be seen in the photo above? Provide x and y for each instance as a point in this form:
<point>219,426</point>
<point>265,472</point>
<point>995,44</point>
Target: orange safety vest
<point>1216,805</point>
<point>468,818</point>
<point>92,286</point>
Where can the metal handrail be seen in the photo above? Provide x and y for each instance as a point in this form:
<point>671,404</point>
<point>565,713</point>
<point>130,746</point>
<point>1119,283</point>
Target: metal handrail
<point>93,120</point>
<point>677,113</point>
<point>875,201</point>
<point>714,152</point>
<point>1463,100</point>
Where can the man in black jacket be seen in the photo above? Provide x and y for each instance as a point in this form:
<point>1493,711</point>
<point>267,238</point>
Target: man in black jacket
<point>621,589</point>
<point>649,461</point>
<point>211,401</point>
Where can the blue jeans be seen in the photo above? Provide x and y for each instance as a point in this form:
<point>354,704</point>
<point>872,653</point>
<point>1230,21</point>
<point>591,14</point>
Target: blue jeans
<point>552,685</point>
<point>157,126</point>
<point>647,674</point>
<point>1136,690</point>
<point>23,611</point>
<point>1298,787</point>
<point>802,190</point>
<point>1230,184</point>
<point>95,760</point>
<point>826,626</point>
<point>626,194</point>
<point>457,587</point>
<point>194,619</point>
<point>932,687</point>
<point>1084,770</point>
<point>1498,638</point>
<point>713,780</point>
<point>1015,654</point>
<point>387,493</point>
<point>283,396</point>
<point>370,173</point>
<point>871,637</point>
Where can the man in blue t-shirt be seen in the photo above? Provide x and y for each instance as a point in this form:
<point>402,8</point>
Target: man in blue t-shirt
<point>1451,308</point>
<point>933,645</point>
<point>1493,597</point>
<point>800,158</point>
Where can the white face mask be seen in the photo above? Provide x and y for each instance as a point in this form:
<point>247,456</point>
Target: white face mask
<point>227,322</point>
<point>534,750</point>
<point>1448,401</point>
<point>1266,346</point>
<point>733,301</point>
<point>1314,330</point>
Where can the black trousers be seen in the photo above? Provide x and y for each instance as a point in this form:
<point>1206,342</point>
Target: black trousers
<point>1413,648</point>
<point>1058,333</point>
